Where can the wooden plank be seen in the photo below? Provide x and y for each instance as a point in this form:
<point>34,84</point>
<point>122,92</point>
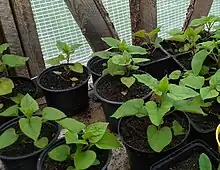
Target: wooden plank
<point>93,21</point>
<point>197,9</point>
<point>28,35</point>
<point>143,15</point>
<point>9,33</point>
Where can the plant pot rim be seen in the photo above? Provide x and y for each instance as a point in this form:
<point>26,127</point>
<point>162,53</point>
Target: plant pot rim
<point>59,142</point>
<point>13,121</point>
<point>152,152</point>
<point>26,78</point>
<point>90,64</point>
<point>109,101</point>
<point>63,90</point>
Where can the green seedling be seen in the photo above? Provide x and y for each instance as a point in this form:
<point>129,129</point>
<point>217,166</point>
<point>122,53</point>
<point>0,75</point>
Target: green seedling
<point>166,97</point>
<point>67,50</point>
<point>205,163</point>
<point>31,124</point>
<point>81,142</point>
<point>151,39</point>
<point>189,37</point>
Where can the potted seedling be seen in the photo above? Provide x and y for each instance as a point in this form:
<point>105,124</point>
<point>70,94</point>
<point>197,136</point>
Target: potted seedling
<point>65,85</point>
<point>152,43</point>
<point>24,138</point>
<point>99,61</point>
<point>84,147</point>
<point>20,84</point>
<point>118,85</point>
<point>158,128</point>
<point>195,156</point>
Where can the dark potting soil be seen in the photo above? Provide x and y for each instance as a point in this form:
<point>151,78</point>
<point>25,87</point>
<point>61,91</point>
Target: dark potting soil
<point>50,164</point>
<point>111,89</point>
<point>99,66</point>
<point>22,86</point>
<point>172,46</point>
<point>192,163</point>
<point>53,81</point>
<point>185,60</point>
<point>6,103</point>
<point>24,145</point>
<point>134,131</point>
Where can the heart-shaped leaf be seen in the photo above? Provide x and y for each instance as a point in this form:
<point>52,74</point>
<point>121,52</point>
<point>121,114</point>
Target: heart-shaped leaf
<point>128,81</point>
<point>108,141</point>
<point>208,93</point>
<point>50,113</point>
<point>6,86</point>
<point>177,128</point>
<point>60,153</point>
<point>28,105</point>
<point>41,143</point>
<point>11,111</point>
<point>14,60</point>
<point>3,47</point>
<point>112,42</point>
<point>103,54</point>
<point>76,67</point>
<point>72,125</point>
<point>8,137</point>
<point>158,139</point>
<point>56,60</point>
<point>192,81</point>
<point>72,138</point>
<point>175,75</point>
<point>204,162</point>
<point>84,160</point>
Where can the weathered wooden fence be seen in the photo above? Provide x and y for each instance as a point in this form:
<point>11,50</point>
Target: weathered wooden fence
<point>17,26</point>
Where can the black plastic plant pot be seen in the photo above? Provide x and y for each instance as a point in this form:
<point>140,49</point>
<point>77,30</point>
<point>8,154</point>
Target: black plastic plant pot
<point>72,100</point>
<point>24,156</point>
<point>204,127</point>
<point>22,85</point>
<point>95,66</point>
<point>45,163</point>
<point>141,156</point>
<point>109,107</point>
<point>160,68</point>
<point>185,60</point>
<point>187,157</point>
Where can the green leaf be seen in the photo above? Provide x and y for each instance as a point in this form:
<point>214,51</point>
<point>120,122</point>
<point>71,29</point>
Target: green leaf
<point>163,85</point>
<point>6,86</point>
<point>156,113</point>
<point>154,32</point>
<point>149,81</point>
<point>14,60</point>
<point>31,127</point>
<point>177,128</point>
<point>62,46</point>
<point>84,160</point>
<point>74,79</point>
<point>175,31</point>
<point>103,54</point>
<point>2,67</point>
<point>11,111</point>
<point>198,60</point>
<point>3,47</point>
<point>215,80</point>
<point>218,99</point>
<point>8,137</point>
<point>95,131</point>
<point>204,70</point>
<point>72,138</point>
<point>121,60</point>
<point>123,46</point>
<point>41,143</point>
<point>28,105</point>
<point>140,34</point>
<point>1,106</point>
<point>129,108</point>
<point>204,162</point>
<point>136,50</point>
<point>96,162</point>
<point>175,75</point>
<point>114,69</point>
<point>140,60</point>
<point>60,153</point>
<point>108,141</point>
<point>76,67</point>
<point>195,82</point>
<point>56,60</point>
<point>72,125</point>
<point>178,38</point>
<point>70,168</point>
<point>112,42</point>
<point>50,113</point>
<point>17,99</point>
<point>208,93</point>
<point>158,139</point>
<point>181,92</point>
<point>74,47</point>
<point>128,81</point>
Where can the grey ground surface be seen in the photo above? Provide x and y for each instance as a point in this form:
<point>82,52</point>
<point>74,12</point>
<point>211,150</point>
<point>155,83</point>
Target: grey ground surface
<point>95,113</point>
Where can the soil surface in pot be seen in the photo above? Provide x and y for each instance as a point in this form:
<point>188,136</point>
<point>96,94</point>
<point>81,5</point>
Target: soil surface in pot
<point>50,164</point>
<point>99,66</point>
<point>22,86</point>
<point>192,163</point>
<point>134,131</point>
<point>112,89</point>
<point>24,145</point>
<point>172,47</point>
<point>52,81</point>
<point>185,60</point>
